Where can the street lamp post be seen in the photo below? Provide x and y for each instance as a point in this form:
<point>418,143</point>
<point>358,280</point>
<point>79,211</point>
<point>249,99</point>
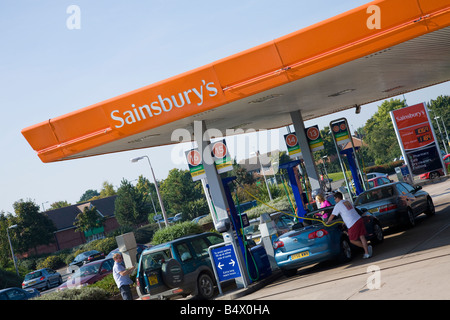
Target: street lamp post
<point>264,175</point>
<point>163,210</point>
<point>10,245</point>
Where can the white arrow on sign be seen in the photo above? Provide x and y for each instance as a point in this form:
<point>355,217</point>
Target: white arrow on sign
<point>232,262</point>
<point>220,266</point>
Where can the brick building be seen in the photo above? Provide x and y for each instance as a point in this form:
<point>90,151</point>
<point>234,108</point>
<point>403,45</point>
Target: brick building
<point>65,235</point>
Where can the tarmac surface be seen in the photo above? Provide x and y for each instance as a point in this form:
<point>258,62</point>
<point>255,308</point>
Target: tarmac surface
<point>410,264</point>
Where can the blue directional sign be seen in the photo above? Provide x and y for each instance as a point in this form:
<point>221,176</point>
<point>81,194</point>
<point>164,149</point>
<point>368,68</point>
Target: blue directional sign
<point>225,262</point>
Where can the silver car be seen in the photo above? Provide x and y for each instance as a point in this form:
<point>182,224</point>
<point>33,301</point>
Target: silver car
<point>42,279</point>
<point>396,203</point>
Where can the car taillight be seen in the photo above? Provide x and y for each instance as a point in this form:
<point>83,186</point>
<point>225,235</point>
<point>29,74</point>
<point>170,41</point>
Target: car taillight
<point>42,278</point>
<point>318,234</point>
<point>278,244</point>
<point>387,207</point>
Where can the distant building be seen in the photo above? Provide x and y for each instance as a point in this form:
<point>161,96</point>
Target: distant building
<point>65,235</point>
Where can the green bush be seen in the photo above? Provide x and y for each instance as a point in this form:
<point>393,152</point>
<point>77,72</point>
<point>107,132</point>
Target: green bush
<point>145,233</point>
<point>176,231</point>
<point>9,279</point>
<point>52,262</point>
<point>108,284</point>
<point>85,293</point>
<point>104,245</point>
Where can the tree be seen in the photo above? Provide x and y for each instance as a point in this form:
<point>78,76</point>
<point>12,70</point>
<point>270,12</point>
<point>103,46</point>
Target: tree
<point>89,194</point>
<point>88,219</point>
<point>6,220</point>
<point>148,189</point>
<point>132,207</point>
<point>59,205</point>
<point>33,227</point>
<point>380,134</point>
<point>440,108</point>
<point>179,189</point>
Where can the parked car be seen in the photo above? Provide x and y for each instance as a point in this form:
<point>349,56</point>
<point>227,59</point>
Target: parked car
<point>372,175</point>
<point>375,182</point>
<point>179,267</point>
<point>42,279</point>
<point>437,173</point>
<point>197,219</point>
<point>89,273</point>
<point>18,294</point>
<point>283,223</point>
<point>177,217</point>
<point>312,242</point>
<point>140,248</point>
<point>83,258</point>
<point>396,203</point>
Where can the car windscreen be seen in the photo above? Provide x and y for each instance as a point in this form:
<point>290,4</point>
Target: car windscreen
<point>374,195</point>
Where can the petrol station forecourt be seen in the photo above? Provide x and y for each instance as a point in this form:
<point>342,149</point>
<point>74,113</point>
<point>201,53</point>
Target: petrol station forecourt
<point>279,83</point>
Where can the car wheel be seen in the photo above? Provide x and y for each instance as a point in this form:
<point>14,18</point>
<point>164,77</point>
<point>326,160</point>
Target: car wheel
<point>345,254</point>
<point>430,208</point>
<point>410,219</point>
<point>434,175</point>
<point>378,234</point>
<point>205,286</point>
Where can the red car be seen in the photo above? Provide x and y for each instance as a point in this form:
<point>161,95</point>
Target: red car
<point>88,274</point>
<point>375,182</point>
<point>437,173</point>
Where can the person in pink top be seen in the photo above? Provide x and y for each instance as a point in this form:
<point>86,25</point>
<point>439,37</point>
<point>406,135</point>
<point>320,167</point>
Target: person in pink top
<point>323,203</point>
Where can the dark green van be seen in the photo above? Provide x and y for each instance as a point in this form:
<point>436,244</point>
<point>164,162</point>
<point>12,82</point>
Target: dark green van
<point>180,267</point>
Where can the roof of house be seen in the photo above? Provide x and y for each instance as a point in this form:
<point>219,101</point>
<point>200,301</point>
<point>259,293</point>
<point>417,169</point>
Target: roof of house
<point>64,218</point>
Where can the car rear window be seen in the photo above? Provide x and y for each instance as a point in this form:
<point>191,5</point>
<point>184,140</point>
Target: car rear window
<point>154,260</point>
<point>33,275</point>
<point>375,195</point>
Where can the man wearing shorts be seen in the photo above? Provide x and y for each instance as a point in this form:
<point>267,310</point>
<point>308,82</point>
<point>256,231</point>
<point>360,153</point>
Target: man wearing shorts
<point>354,223</point>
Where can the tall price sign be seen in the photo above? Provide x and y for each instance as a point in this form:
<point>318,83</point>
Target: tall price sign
<point>417,139</point>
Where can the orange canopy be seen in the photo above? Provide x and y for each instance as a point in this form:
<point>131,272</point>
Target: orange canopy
<point>324,68</point>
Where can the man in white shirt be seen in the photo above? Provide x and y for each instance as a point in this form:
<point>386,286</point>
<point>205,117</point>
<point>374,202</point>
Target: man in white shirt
<point>122,277</point>
<point>355,224</point>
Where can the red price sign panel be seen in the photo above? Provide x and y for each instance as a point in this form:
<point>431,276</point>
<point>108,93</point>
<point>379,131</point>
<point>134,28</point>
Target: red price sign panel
<point>222,158</point>
<point>417,139</point>
<point>413,127</point>
<point>314,139</point>
<point>292,145</point>
<point>194,159</point>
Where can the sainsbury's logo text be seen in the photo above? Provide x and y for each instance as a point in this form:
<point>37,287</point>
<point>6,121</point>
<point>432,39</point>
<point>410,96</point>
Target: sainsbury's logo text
<point>164,104</point>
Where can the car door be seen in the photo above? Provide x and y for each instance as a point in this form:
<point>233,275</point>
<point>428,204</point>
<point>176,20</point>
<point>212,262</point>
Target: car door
<point>408,197</point>
<point>188,262</point>
<point>420,198</point>
<point>52,276</point>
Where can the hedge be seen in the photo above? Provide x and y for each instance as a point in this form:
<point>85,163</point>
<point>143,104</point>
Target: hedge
<point>176,231</point>
<point>85,293</point>
<point>9,279</point>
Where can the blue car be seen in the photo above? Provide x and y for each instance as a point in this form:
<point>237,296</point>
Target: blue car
<point>313,243</point>
<point>18,294</point>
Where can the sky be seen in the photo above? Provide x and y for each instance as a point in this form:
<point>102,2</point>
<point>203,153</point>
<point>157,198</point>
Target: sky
<point>49,67</point>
